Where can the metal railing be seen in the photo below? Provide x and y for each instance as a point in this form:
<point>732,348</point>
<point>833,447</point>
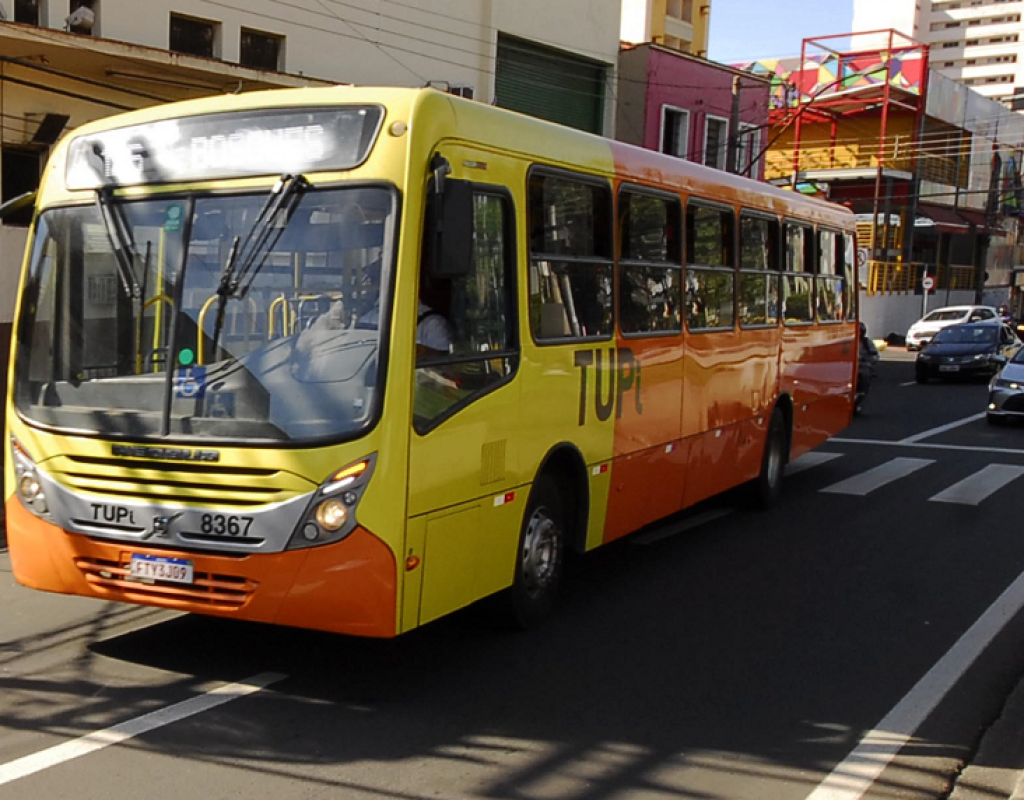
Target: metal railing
<point>895,277</point>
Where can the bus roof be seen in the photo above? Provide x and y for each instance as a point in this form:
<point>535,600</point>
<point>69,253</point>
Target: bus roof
<point>504,130</point>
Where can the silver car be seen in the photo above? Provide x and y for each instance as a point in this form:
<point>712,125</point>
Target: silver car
<point>1006,392</point>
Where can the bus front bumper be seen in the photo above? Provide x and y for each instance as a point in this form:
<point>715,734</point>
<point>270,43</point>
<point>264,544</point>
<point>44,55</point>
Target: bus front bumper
<point>348,587</point>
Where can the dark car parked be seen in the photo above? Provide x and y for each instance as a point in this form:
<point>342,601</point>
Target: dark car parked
<point>974,349</point>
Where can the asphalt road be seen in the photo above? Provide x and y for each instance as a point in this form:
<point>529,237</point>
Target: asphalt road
<point>735,654</point>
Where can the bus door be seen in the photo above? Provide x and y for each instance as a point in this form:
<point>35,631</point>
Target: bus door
<point>464,515</point>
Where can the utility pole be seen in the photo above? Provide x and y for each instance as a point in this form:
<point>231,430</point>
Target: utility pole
<point>734,128</point>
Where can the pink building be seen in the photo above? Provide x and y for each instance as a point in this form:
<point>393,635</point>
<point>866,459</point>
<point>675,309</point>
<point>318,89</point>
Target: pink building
<point>684,105</point>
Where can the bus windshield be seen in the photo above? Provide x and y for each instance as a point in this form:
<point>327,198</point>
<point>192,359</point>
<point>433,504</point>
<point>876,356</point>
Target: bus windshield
<point>225,316</point>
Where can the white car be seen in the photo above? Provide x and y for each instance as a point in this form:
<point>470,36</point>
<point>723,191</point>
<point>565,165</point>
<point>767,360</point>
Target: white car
<point>922,331</point>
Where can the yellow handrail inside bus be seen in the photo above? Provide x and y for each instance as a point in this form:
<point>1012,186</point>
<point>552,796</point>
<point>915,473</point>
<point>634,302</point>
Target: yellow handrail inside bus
<point>271,327</point>
<point>157,332</point>
<point>158,317</point>
<point>200,325</point>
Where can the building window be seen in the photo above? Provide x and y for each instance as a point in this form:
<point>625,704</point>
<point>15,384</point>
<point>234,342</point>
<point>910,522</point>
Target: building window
<point>261,50</point>
<point>952,24</point>
<point>20,170</point>
<point>26,11</point>
<point>716,135</point>
<point>948,45</point>
<point>675,131</point>
<point>460,90</point>
<point>748,148</point>
<point>194,37</point>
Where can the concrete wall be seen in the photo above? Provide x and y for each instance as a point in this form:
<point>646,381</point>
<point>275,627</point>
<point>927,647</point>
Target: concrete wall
<point>885,314</point>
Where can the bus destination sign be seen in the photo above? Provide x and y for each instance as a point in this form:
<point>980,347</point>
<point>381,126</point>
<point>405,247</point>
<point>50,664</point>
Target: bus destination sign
<point>224,145</point>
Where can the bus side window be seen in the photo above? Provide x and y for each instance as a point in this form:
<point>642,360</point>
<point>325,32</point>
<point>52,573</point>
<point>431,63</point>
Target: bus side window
<point>650,285</point>
<point>798,281</point>
<point>570,258</point>
<point>829,289</point>
<point>710,276</point>
<point>848,269</point>
<point>758,293</point>
<point>479,312</point>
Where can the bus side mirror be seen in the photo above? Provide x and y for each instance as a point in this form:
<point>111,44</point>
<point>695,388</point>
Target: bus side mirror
<point>17,204</point>
<point>450,226</point>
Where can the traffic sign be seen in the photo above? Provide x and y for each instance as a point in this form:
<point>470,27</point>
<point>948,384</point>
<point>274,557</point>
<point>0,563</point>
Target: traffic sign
<point>928,283</point>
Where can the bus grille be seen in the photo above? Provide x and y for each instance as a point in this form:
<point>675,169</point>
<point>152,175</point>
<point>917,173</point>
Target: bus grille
<point>208,589</point>
<point>162,482</point>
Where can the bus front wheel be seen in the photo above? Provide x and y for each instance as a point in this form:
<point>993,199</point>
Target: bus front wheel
<point>540,557</point>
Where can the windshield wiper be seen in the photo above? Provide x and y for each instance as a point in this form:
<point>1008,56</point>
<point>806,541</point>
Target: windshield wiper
<point>121,240</point>
<point>248,255</point>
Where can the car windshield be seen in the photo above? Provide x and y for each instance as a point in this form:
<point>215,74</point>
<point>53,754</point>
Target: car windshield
<point>945,315</point>
<point>221,316</point>
<point>967,334</point>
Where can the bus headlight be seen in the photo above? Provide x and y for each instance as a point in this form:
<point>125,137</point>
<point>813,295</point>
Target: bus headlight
<point>30,488</point>
<point>331,515</point>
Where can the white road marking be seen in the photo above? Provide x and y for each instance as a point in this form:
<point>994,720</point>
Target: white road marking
<point>122,732</point>
<point>852,778</point>
<point>809,460</point>
<point>877,477</point>
<point>943,428</point>
<point>975,488</point>
<point>909,383</point>
<point>924,446</point>
<point>696,521</point>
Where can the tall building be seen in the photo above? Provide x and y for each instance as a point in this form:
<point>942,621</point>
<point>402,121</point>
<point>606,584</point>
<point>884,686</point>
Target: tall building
<point>677,24</point>
<point>977,42</point>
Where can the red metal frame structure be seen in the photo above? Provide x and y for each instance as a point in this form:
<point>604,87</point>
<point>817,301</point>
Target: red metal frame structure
<point>832,101</point>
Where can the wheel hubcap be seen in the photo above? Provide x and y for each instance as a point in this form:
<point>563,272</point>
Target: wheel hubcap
<point>774,467</point>
<point>540,553</point>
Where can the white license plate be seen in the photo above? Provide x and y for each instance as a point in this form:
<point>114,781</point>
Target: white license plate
<point>949,367</point>
<point>159,568</point>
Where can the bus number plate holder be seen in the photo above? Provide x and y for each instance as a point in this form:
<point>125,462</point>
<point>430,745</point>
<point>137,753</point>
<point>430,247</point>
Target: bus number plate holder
<point>159,568</point>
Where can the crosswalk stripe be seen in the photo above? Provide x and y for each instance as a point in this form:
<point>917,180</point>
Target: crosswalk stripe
<point>975,488</point>
<point>809,460</point>
<point>867,482</point>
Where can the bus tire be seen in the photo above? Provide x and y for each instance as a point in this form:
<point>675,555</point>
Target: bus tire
<point>540,558</point>
<point>767,486</point>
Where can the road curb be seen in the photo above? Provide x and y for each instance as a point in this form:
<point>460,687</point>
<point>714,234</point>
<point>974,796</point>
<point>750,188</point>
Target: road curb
<point>997,769</point>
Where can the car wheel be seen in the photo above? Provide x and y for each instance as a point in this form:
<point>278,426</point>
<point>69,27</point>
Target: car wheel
<point>994,419</point>
<point>921,376</point>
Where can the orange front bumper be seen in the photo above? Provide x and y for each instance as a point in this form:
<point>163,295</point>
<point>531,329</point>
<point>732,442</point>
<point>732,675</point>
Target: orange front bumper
<point>350,587</point>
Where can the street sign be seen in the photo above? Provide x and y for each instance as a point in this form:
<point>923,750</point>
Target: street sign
<point>928,283</point>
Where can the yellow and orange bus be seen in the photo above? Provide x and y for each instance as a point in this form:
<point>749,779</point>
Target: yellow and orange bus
<point>353,358</point>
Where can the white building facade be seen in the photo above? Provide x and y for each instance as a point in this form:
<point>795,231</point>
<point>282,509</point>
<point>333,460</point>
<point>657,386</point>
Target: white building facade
<point>977,42</point>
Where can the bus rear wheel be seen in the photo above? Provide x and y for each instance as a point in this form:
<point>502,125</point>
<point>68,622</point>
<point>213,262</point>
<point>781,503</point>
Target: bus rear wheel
<point>540,557</point>
<point>767,486</point>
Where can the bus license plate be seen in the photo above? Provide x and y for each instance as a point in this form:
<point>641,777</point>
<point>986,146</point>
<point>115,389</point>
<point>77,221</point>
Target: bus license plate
<point>158,568</point>
<point>949,367</point>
